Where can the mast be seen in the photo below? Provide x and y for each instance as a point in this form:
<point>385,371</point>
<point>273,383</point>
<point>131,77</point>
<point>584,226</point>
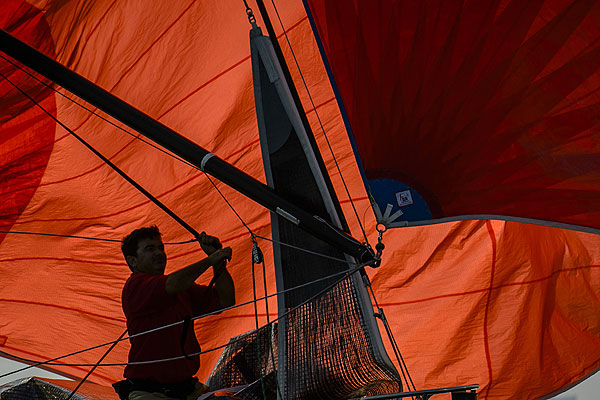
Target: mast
<point>182,147</point>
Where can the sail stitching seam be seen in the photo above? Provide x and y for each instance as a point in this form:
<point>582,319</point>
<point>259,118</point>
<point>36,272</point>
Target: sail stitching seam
<point>487,308</point>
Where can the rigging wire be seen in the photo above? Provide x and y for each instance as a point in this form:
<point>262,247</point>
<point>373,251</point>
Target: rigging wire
<point>347,274</point>
<point>176,243</point>
<point>131,181</point>
<point>255,259</point>
<point>291,246</point>
<point>321,124</point>
<point>135,136</point>
<point>230,205</point>
<point>85,237</point>
<point>51,361</point>
<point>174,156</point>
<point>96,365</point>
<point>259,257</point>
<point>381,315</point>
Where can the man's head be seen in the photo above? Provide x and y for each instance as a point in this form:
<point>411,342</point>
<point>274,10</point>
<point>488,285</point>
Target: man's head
<point>144,251</point>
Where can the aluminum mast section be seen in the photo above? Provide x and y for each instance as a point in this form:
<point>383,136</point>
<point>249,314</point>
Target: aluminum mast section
<point>182,147</point>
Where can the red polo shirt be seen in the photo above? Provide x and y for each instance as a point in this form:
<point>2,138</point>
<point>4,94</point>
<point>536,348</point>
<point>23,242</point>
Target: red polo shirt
<point>147,306</point>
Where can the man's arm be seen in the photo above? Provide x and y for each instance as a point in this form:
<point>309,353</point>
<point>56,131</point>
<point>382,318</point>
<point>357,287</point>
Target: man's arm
<point>184,278</point>
<point>224,285</point>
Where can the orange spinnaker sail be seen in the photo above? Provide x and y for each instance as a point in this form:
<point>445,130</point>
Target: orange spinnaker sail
<point>486,108</point>
<point>512,307</point>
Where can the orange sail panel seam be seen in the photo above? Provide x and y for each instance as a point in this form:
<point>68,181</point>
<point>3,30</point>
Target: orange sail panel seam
<point>487,307</point>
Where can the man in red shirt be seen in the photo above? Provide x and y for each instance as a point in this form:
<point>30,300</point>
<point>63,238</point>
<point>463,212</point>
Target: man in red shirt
<point>153,300</point>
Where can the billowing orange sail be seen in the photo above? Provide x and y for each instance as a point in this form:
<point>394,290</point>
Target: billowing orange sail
<point>480,107</point>
<point>512,307</point>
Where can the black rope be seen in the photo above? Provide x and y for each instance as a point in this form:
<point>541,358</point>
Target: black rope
<point>321,124</point>
<point>179,220</point>
<point>255,257</point>
<point>250,14</point>
<point>110,164</point>
<point>60,235</point>
<point>96,365</point>
<point>381,315</point>
<point>135,136</point>
<point>291,246</point>
<point>230,206</point>
<point>260,258</point>
<point>84,237</point>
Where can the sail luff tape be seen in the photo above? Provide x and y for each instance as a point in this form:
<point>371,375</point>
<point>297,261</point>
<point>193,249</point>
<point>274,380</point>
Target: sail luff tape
<point>287,216</point>
<point>205,159</point>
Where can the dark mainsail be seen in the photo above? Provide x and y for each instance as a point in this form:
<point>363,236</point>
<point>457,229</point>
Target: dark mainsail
<point>328,345</point>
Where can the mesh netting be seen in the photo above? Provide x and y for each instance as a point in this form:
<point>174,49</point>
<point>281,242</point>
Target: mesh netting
<point>34,389</point>
<point>329,351</point>
<point>329,354</point>
<point>245,360</point>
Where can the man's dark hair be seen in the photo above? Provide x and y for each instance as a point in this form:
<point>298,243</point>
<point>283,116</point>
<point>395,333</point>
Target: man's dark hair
<point>130,242</point>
